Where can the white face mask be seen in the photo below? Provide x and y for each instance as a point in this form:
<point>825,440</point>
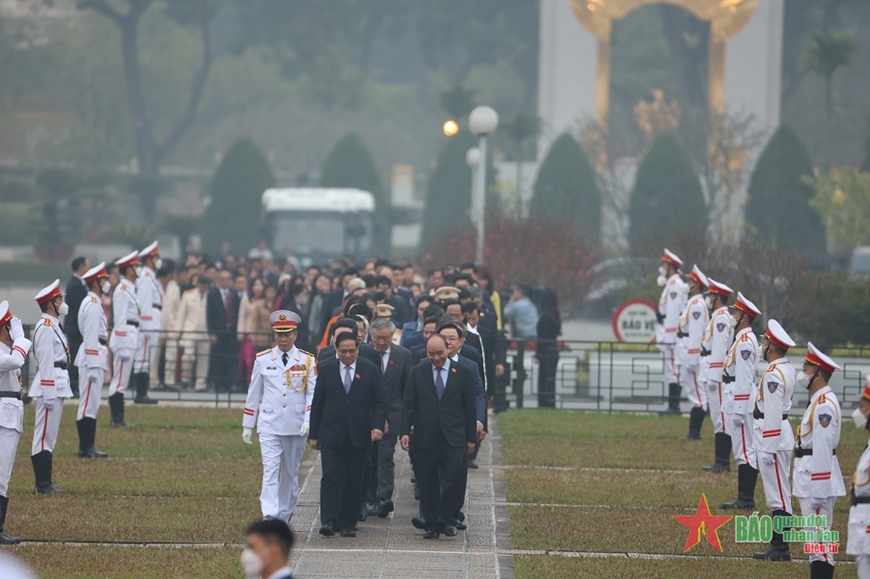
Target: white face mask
<point>63,309</point>
<point>661,281</point>
<point>859,419</point>
<point>252,565</point>
<point>732,321</point>
<point>802,381</point>
<point>685,289</point>
<point>106,287</point>
<point>663,271</point>
<point>158,263</point>
<point>138,271</point>
<point>709,302</point>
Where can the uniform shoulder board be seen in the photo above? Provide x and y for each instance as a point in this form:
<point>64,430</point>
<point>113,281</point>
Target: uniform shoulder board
<point>47,322</point>
<point>93,300</point>
<point>306,353</point>
<point>264,352</point>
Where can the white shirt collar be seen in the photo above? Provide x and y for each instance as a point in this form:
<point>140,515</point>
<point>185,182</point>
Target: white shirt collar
<point>280,573</point>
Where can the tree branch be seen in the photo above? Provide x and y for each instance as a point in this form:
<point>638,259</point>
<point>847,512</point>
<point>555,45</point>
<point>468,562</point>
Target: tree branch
<point>197,87</point>
<point>101,7</point>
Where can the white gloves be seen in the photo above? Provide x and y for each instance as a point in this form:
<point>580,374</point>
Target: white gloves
<point>303,432</point>
<point>16,330</point>
<point>49,403</point>
<point>246,435</point>
<point>768,458</point>
<point>96,375</point>
<point>738,419</point>
<point>125,354</point>
<point>712,385</point>
<point>692,368</point>
<point>818,502</point>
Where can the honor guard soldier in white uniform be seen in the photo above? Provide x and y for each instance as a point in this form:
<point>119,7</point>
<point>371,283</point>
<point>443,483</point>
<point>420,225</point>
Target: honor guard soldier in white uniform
<point>690,329</point>
<point>13,353</point>
<point>50,385</point>
<point>279,404</point>
<point>817,480</point>
<point>92,359</point>
<point>859,515</point>
<point>740,385</point>
<point>671,303</point>
<point>149,294</point>
<point>774,439</point>
<point>714,348</point>
<point>124,341</point>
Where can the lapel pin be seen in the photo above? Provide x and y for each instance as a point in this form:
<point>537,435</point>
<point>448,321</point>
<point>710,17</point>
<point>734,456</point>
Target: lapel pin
<point>356,376</point>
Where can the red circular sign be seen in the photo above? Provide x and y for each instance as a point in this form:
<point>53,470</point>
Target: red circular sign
<point>635,321</point>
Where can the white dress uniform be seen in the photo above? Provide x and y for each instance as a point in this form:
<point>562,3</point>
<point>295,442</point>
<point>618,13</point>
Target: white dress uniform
<point>149,294</point>
<point>92,359</point>
<point>169,327</point>
<point>739,378</point>
<point>858,543</point>
<point>124,340</point>
<point>817,477</point>
<point>714,346</point>
<point>12,358</point>
<point>690,330</point>
<point>50,387</point>
<point>279,405</point>
<point>671,303</point>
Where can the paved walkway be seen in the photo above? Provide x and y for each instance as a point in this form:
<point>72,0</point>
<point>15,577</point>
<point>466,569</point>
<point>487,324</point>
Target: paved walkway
<point>392,548</point>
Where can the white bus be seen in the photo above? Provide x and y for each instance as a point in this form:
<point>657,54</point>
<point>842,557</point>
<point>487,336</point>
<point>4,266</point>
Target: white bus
<point>319,224</point>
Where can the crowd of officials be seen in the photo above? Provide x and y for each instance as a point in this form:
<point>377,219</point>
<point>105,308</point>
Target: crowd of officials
<point>261,326</point>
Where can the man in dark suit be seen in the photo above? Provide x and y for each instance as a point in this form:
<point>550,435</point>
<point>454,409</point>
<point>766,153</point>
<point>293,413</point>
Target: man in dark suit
<point>335,299</point>
<point>395,364</point>
<point>347,325</point>
<point>439,406</point>
<point>416,341</point>
<point>221,316</point>
<point>76,292</point>
<point>348,413</point>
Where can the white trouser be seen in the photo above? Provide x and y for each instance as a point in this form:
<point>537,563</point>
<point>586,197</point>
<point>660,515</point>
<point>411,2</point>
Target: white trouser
<point>195,350</point>
<point>828,512</point>
<point>120,371</point>
<point>863,564</point>
<point>671,373</point>
<point>741,440</point>
<point>47,425</point>
<point>696,392</point>
<point>8,445</point>
<point>715,398</point>
<point>170,358</point>
<point>146,352</point>
<point>282,457</point>
<point>774,478</point>
<point>90,390</point>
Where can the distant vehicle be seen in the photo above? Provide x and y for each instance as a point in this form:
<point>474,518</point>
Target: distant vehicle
<point>318,224</point>
<point>859,265</point>
<point>609,278</point>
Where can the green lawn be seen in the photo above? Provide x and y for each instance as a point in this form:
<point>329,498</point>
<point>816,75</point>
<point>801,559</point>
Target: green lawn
<point>180,475</point>
<point>614,483</point>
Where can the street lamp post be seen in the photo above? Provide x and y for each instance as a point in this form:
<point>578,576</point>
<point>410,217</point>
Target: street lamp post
<point>472,159</point>
<point>483,122</point>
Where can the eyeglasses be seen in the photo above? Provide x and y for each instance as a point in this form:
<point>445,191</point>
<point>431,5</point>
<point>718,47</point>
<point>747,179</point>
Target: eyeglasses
<point>347,352</point>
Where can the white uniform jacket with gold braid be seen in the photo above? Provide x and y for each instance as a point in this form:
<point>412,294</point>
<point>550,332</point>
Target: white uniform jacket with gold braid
<point>125,317</point>
<point>279,397</point>
<point>740,365</point>
<point>859,515</point>
<point>51,351</point>
<point>671,304</point>
<point>690,330</point>
<point>11,361</point>
<point>818,475</point>
<point>149,294</point>
<point>93,352</point>
<point>715,343</point>
<point>773,400</point>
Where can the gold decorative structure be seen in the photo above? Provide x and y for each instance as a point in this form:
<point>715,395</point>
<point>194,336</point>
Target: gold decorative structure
<point>726,18</point>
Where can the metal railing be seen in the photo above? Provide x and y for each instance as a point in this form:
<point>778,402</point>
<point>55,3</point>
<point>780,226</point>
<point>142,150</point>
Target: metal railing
<point>619,377</point>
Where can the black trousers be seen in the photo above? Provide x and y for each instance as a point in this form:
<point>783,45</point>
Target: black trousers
<point>547,366</point>
<point>441,476</point>
<point>370,478</point>
<point>224,353</point>
<point>341,485</point>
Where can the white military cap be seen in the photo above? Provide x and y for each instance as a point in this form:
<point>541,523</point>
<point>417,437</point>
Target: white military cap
<point>5,314</point>
<point>746,306</point>
<point>95,272</point>
<point>672,258</point>
<point>719,288</point>
<point>446,293</point>
<point>48,293</point>
<point>776,334</point>
<point>128,260</point>
<point>150,250</point>
<point>818,358</point>
<point>698,276</point>
<point>284,321</point>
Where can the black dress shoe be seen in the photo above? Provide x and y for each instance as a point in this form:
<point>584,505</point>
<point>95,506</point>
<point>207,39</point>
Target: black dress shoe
<point>327,530</point>
<point>144,400</point>
<point>774,554</point>
<point>413,480</point>
<point>92,453</point>
<point>385,509</point>
<point>47,490</point>
<point>461,526</point>
<point>450,531</point>
<point>717,468</point>
<point>363,513</point>
<point>418,523</point>
<point>431,534</point>
<point>739,504</point>
<point>472,463</point>
<point>416,493</point>
<point>373,509</point>
<point>7,540</point>
<point>348,532</point>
